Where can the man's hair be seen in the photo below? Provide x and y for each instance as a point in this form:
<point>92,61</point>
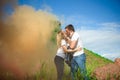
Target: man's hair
<point>70,27</point>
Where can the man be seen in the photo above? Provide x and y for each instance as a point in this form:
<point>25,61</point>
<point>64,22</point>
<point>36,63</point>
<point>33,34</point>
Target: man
<point>79,58</point>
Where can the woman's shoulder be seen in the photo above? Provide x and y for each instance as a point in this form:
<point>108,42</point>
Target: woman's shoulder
<point>63,41</point>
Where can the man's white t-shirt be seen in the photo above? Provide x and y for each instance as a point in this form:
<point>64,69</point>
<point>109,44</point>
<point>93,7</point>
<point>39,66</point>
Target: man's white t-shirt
<point>74,37</point>
<point>60,51</point>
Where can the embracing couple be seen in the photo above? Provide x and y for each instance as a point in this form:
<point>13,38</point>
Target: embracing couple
<point>71,51</point>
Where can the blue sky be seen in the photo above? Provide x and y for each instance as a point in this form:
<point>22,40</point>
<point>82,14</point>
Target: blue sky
<point>97,21</point>
<point>100,10</point>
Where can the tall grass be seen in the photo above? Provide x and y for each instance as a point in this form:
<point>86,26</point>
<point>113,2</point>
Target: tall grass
<point>47,70</point>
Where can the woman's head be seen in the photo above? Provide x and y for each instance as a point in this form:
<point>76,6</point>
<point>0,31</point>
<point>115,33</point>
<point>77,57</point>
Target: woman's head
<point>59,38</point>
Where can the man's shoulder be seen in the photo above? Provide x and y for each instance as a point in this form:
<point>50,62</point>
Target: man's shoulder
<point>76,34</point>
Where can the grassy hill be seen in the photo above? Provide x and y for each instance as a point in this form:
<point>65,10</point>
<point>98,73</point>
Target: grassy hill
<point>93,60</point>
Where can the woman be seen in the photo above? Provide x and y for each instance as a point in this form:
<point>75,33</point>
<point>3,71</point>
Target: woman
<point>60,55</point>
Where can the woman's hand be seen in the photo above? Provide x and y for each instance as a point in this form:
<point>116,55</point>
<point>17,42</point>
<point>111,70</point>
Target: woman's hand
<point>79,48</point>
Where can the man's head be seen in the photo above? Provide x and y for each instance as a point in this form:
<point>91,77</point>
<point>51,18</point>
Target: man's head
<point>69,28</point>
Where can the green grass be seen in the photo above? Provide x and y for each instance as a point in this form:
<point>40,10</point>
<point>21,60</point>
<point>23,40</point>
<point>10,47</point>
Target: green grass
<point>48,70</point>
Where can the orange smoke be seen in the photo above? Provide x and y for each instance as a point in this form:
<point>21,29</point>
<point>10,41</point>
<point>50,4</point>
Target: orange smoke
<point>24,38</point>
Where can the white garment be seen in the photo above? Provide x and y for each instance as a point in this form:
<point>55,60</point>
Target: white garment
<point>60,51</point>
<point>74,37</point>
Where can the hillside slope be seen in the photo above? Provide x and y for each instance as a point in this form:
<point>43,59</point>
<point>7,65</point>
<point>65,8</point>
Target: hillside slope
<point>93,60</point>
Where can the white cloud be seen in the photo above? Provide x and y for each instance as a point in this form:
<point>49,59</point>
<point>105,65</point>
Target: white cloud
<point>105,42</point>
<point>70,19</point>
<point>110,26</point>
<point>46,7</point>
<point>111,56</point>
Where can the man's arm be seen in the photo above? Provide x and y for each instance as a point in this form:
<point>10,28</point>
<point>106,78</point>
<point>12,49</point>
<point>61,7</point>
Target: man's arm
<point>72,44</point>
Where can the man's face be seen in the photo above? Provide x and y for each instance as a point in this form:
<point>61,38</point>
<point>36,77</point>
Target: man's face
<point>67,32</point>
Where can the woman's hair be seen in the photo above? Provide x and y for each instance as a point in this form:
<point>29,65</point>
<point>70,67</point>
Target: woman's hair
<point>59,38</point>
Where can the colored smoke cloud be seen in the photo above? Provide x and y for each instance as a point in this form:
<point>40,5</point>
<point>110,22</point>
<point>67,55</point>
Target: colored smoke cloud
<point>24,39</point>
